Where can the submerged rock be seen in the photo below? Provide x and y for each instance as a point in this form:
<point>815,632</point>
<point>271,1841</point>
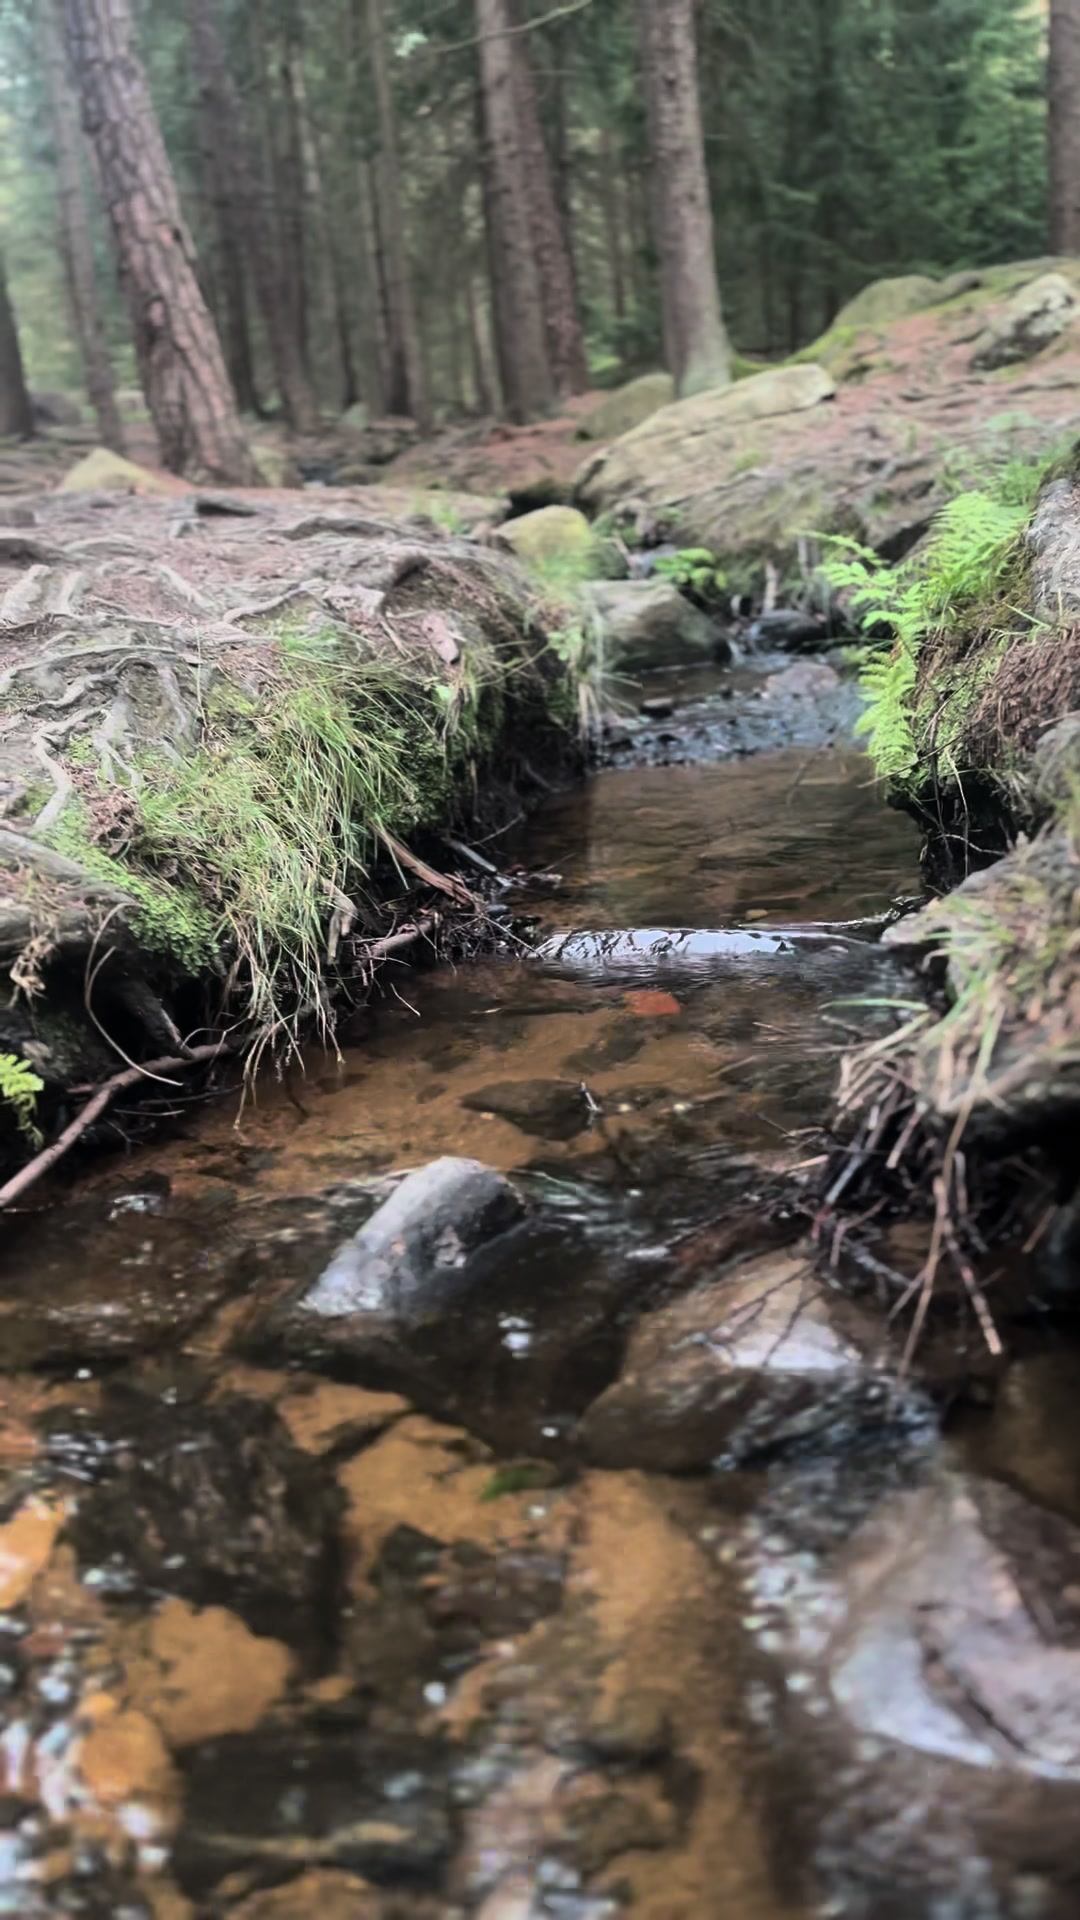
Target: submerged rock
<point>761,1359</point>
<point>211,1503</point>
<point>412,1258</point>
<point>550,1109</point>
<point>927,1687</point>
<point>648,623</point>
<point>316,1796</point>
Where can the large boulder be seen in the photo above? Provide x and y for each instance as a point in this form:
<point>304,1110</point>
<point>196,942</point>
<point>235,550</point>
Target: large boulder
<point>1032,320</point>
<point>877,464</point>
<point>626,407</point>
<point>52,409</point>
<point>648,623</point>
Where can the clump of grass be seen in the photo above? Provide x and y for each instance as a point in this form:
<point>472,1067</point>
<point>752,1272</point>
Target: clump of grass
<point>245,848</point>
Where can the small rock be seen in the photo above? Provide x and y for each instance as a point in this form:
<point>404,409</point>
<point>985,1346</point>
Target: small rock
<point>659,707</point>
<point>26,1541</point>
<point>315,1896</point>
<point>790,630</point>
<point>648,623</point>
<point>626,407</point>
<point>806,679</point>
<point>412,1257</point>
<point>743,1365</point>
<point>52,409</point>
<point>549,1109</point>
<point>548,536</point>
<point>104,472</point>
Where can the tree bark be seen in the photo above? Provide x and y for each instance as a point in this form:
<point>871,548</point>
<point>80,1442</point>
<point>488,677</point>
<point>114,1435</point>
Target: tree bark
<point>179,355</point>
<point>218,135</point>
<point>1063,93</point>
<point>406,385</point>
<point>523,354</point>
<point>550,238</point>
<point>695,341</point>
<point>16,407</point>
<point>250,214</point>
<point>76,249</point>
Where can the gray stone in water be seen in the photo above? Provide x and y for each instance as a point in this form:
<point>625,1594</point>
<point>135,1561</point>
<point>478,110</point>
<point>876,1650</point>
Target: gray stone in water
<point>749,1363</point>
<point>412,1259</point>
<point>549,1109</point>
<point>648,623</point>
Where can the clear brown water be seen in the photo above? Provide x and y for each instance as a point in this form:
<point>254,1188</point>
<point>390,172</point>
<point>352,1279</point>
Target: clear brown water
<point>705,1058</point>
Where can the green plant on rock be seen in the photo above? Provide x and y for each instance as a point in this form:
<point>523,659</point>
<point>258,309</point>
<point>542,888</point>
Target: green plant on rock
<point>695,571</point>
<point>19,1089</point>
<point>964,578</point>
<point>251,846</point>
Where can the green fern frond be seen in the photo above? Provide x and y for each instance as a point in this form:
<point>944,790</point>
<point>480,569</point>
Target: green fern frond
<point>19,1089</point>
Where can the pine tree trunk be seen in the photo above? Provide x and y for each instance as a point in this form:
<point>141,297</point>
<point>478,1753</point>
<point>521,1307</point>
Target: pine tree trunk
<point>523,355</point>
<point>1063,89</point>
<point>249,213</point>
<point>613,238</point>
<point>292,202</point>
<point>407,387</point>
<point>16,407</point>
<point>181,365</point>
<point>551,246</point>
<point>76,248</point>
<point>696,342</point>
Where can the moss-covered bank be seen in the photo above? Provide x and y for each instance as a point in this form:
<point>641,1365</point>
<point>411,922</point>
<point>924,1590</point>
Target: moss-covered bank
<point>229,760</point>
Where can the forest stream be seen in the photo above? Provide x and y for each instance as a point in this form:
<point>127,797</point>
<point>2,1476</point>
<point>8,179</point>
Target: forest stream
<point>445,1628</point>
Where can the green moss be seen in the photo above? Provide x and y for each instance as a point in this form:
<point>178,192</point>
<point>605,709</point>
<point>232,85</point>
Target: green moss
<point>19,1089</point>
<point>952,609</point>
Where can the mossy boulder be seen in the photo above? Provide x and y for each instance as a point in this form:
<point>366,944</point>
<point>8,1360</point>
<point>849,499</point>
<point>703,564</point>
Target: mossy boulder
<point>550,537</point>
<point>884,301</point>
<point>104,472</point>
<point>626,407</point>
<point>647,623</point>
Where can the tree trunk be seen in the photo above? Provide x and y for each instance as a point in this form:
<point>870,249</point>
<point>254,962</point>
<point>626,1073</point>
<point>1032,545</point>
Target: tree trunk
<point>249,213</point>
<point>292,207</point>
<point>613,238</point>
<point>697,346</point>
<point>1063,89</point>
<point>76,249</point>
<point>217,135</point>
<point>16,408</point>
<point>406,386</point>
<point>523,355</point>
<point>179,355</point>
<point>551,246</point>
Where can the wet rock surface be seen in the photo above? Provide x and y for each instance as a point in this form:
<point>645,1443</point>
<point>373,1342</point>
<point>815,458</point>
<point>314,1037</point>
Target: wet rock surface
<point>210,1502</point>
<point>925,1658</point>
<point>764,1360</point>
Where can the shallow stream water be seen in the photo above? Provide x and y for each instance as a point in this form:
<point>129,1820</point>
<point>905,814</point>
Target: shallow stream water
<point>284,1639</point>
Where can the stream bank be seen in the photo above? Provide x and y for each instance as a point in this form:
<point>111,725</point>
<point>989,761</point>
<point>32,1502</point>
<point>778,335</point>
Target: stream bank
<point>586,1588</point>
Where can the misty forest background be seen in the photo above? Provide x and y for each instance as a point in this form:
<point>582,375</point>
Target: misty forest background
<point>338,165</point>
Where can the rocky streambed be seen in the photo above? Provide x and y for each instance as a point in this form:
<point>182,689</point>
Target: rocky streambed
<point>451,1480</point>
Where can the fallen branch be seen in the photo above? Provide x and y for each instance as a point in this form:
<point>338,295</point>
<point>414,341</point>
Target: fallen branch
<point>395,942</point>
<point>130,1077</point>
